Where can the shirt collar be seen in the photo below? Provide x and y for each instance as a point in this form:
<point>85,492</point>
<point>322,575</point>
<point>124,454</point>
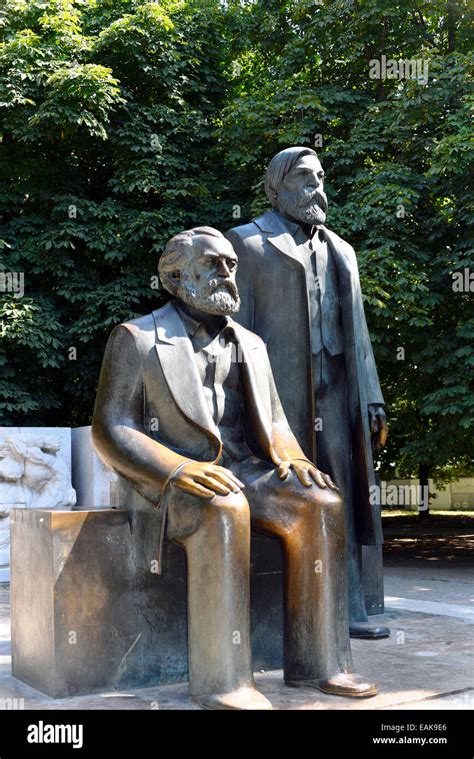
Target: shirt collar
<point>291,226</point>
<point>294,227</point>
<point>192,325</point>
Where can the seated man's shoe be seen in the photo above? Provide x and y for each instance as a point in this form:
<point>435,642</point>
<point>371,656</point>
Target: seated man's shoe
<point>248,699</point>
<point>342,684</point>
<point>353,686</point>
<point>368,630</point>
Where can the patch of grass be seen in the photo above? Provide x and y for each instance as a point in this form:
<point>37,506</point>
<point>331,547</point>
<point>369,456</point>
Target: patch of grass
<point>390,513</point>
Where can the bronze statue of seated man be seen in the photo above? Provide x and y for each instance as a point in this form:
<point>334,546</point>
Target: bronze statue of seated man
<point>187,412</point>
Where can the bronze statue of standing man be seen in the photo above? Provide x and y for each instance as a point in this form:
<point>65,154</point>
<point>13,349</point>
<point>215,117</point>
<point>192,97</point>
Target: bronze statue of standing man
<point>300,292</point>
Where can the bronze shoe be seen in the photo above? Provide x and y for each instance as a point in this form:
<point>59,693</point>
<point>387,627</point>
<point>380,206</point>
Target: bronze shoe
<point>342,684</point>
<point>368,631</point>
<point>246,698</point>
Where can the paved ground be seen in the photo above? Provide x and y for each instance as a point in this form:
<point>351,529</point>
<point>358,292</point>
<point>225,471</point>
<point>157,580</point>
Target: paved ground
<point>427,663</point>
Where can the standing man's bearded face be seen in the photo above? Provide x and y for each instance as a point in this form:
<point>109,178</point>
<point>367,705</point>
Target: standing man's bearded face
<point>301,196</point>
<point>208,282</point>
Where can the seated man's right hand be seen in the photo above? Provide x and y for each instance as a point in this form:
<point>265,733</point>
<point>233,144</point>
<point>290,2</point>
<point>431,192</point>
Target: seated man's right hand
<point>206,480</point>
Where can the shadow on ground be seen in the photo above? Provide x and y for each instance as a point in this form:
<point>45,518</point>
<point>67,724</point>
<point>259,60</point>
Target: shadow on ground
<point>441,539</point>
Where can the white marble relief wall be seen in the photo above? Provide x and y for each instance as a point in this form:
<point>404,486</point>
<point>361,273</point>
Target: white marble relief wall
<point>35,473</point>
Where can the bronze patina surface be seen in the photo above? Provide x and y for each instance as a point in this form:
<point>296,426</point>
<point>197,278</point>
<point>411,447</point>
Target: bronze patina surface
<point>300,291</point>
<point>188,415</point>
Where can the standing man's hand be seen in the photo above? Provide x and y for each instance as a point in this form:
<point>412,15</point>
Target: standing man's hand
<point>378,426</point>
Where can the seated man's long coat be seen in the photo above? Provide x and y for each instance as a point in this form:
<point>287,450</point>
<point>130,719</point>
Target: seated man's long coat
<point>151,415</point>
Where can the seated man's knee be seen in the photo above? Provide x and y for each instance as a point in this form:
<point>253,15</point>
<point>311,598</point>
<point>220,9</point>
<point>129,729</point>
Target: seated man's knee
<point>188,514</point>
<point>232,506</point>
<point>323,499</point>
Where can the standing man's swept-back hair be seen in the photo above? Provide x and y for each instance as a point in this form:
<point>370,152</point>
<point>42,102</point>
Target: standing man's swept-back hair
<point>278,168</point>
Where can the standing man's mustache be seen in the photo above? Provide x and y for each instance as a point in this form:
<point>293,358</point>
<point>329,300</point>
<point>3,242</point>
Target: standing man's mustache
<point>320,200</point>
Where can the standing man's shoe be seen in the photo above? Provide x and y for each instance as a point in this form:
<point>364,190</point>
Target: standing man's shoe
<point>368,630</point>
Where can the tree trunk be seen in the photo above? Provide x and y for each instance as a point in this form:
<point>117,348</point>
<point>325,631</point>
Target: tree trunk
<point>451,25</point>
<point>424,507</point>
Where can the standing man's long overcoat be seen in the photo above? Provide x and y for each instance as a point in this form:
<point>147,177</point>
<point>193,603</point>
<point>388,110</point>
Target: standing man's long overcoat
<point>272,286</point>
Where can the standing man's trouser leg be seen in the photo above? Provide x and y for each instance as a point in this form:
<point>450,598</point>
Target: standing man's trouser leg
<point>334,456</point>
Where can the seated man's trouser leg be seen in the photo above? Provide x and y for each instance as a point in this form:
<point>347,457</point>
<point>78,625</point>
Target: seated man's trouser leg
<point>216,537</point>
<point>310,525</point>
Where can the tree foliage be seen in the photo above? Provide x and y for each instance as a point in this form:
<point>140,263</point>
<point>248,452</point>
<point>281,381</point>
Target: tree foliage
<point>108,112</point>
<point>123,122</point>
<point>398,157</point>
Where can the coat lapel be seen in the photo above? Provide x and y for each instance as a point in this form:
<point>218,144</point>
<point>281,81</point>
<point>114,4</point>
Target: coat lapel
<point>344,258</point>
<point>279,236</point>
<point>257,383</point>
<point>285,243</point>
<point>176,357</point>
<point>174,350</point>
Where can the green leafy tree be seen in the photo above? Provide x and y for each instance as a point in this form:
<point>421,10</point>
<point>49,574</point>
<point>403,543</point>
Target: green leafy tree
<point>398,156</point>
<point>123,122</point>
<point>108,111</point>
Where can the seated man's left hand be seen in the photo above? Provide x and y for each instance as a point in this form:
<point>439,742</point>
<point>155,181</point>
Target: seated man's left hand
<point>306,472</point>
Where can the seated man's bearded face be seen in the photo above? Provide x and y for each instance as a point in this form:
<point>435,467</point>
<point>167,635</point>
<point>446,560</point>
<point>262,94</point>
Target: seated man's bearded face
<point>301,195</point>
<point>208,282</point>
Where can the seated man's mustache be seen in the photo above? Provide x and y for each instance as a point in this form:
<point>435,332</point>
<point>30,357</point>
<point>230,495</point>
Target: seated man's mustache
<point>217,284</point>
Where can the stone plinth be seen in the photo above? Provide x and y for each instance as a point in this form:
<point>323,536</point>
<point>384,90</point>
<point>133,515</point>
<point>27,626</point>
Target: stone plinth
<point>84,619</point>
<point>73,616</point>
